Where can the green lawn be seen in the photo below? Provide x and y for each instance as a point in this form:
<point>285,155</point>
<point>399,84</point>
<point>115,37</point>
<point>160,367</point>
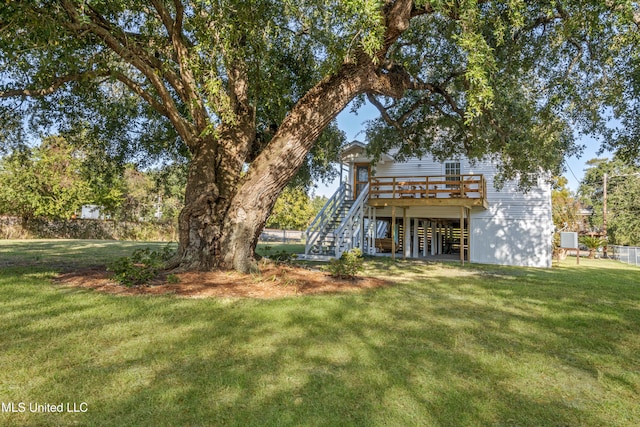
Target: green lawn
<point>445,345</point>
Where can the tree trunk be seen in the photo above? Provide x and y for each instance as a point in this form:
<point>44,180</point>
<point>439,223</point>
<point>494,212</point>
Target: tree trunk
<point>201,218</point>
<point>280,160</point>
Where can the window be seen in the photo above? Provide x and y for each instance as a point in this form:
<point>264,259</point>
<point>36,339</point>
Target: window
<point>452,168</point>
<point>361,178</point>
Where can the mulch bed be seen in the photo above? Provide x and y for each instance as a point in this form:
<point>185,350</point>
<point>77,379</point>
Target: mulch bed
<point>273,281</point>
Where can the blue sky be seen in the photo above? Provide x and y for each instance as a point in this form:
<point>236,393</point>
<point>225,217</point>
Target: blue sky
<point>352,124</point>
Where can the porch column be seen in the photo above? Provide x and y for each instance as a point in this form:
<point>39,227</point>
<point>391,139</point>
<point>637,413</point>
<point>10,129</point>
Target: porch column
<point>434,238</point>
<point>406,247</point>
<point>468,228</point>
<point>393,233</point>
<point>375,230</point>
<point>424,239</point>
<point>462,235</point>
<point>362,230</point>
<point>416,238</point>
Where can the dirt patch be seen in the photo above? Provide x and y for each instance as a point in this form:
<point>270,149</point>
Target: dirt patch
<point>273,281</point>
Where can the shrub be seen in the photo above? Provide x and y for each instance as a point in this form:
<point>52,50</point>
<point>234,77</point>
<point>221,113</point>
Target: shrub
<point>173,279</point>
<point>141,267</point>
<point>348,266</point>
<point>283,257</point>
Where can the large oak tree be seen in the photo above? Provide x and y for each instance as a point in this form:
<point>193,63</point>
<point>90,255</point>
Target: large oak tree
<point>246,88</point>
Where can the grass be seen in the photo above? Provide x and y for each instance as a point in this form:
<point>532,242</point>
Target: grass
<point>62,253</point>
<point>446,345</point>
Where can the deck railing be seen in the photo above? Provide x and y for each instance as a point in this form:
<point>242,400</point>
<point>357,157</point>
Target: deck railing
<point>470,186</point>
<point>350,233</point>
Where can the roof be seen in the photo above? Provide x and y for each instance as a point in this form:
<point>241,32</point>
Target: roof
<point>356,151</point>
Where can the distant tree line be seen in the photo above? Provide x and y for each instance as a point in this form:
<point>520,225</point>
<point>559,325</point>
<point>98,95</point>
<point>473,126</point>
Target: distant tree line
<point>623,206</point>
<point>623,199</point>
<point>54,179</point>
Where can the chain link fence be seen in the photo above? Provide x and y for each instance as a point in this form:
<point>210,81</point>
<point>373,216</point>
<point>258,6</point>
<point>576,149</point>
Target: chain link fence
<point>628,254</point>
<point>281,236</point>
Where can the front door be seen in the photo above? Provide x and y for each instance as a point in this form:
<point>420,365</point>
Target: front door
<point>361,178</point>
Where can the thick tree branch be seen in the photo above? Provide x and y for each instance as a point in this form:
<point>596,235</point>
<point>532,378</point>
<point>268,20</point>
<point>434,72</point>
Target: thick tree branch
<point>241,130</point>
<point>174,29</point>
<point>575,58</point>
<point>138,90</point>
<point>102,29</point>
<point>397,15</point>
<point>136,49</point>
<point>337,90</point>
<point>383,111</point>
<point>165,16</point>
<point>386,117</point>
<point>55,85</point>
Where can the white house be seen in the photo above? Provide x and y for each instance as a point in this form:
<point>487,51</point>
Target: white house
<point>423,208</point>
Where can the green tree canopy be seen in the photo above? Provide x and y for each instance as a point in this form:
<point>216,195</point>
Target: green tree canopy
<point>564,206</point>
<point>56,178</point>
<point>515,82</point>
<point>245,89</point>
<point>43,182</point>
<point>293,210</point>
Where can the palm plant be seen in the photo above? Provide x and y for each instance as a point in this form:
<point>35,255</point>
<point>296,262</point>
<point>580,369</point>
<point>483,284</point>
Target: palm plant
<point>592,243</point>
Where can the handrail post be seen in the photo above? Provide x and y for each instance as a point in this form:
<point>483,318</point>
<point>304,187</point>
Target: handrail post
<point>484,187</point>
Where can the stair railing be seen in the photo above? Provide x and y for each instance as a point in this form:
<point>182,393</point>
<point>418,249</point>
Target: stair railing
<point>350,228</point>
<point>326,214</point>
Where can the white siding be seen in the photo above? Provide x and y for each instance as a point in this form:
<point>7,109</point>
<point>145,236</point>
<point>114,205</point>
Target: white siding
<point>412,167</point>
<point>517,228</point>
<point>510,241</point>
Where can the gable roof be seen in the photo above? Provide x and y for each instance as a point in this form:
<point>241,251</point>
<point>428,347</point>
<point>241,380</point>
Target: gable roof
<point>356,151</point>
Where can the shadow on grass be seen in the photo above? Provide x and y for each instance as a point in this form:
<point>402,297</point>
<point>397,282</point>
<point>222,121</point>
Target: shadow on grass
<point>514,349</point>
<point>67,254</point>
<point>473,346</point>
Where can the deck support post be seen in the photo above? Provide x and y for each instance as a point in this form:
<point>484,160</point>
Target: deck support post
<point>468,228</point>
<point>424,238</point>
<point>416,239</point>
<point>406,247</point>
<point>393,233</point>
<point>462,235</point>
<point>375,231</point>
<point>434,237</point>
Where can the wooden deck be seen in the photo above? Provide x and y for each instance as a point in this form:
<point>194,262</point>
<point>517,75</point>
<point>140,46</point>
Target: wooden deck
<point>443,190</point>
